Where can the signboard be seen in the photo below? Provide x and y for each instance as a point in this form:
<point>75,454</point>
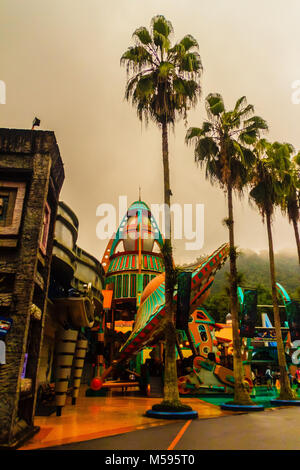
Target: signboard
<point>267,334</point>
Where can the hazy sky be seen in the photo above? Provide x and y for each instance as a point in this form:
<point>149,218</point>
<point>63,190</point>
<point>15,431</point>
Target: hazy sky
<point>60,60</point>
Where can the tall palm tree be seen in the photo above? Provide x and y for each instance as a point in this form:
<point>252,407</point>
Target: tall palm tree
<point>291,200</point>
<point>223,145</point>
<point>163,83</point>
<point>268,184</point>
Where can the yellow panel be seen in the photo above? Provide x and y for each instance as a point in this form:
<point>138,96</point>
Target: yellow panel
<point>186,352</point>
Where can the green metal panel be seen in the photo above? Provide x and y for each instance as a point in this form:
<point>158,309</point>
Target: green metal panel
<point>132,285</point>
<point>119,287</point>
<point>125,285</point>
<point>145,280</point>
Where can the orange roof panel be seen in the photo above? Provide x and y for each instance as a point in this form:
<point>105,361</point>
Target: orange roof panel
<point>107,298</point>
<point>225,334</point>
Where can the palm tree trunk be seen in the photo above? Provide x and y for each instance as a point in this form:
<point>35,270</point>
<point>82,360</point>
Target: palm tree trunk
<point>171,393</point>
<point>286,392</point>
<point>241,395</point>
<point>296,230</point>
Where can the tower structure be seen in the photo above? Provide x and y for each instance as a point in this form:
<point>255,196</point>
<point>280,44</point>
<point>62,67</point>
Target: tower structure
<point>131,260</point>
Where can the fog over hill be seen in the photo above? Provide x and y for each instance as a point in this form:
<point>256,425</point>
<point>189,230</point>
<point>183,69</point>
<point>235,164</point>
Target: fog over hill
<point>254,266</point>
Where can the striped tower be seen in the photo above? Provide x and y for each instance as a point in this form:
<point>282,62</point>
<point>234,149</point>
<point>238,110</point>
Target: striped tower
<point>65,353</point>
<point>80,352</point>
<point>100,349</point>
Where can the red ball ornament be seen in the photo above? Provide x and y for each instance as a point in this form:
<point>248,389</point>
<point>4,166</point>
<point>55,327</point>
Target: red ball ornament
<point>96,384</point>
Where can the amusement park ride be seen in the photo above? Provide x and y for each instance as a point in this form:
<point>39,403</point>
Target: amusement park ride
<point>134,297</point>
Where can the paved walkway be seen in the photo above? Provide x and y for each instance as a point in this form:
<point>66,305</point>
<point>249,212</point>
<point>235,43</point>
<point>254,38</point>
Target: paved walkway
<point>118,422</point>
<point>273,429</point>
<point>94,418</point>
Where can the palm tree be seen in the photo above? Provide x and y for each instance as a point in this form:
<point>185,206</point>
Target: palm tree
<point>223,145</point>
<point>291,200</point>
<point>163,83</point>
<point>268,184</point>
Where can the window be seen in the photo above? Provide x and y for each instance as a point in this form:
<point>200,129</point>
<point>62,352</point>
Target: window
<point>11,206</point>
<point>4,198</point>
<point>203,334</point>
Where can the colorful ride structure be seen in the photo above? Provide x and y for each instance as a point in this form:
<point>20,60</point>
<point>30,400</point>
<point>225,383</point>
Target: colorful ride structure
<point>262,344</point>
<point>263,347</point>
<point>207,373</point>
<point>131,260</point>
<point>292,309</point>
<point>151,315</point>
<point>135,316</point>
<point>258,344</point>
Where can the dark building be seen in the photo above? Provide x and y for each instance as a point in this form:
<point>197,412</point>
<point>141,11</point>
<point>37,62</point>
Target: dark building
<point>50,289</point>
<point>31,177</point>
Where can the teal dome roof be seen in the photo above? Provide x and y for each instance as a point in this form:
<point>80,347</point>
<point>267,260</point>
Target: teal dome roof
<point>139,211</point>
<point>139,205</point>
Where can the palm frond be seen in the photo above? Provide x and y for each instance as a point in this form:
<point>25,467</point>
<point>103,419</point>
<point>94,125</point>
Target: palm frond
<point>206,149</point>
<point>256,122</point>
<point>160,25</point>
<point>189,42</point>
<point>196,132</point>
<point>214,104</point>
<point>187,88</point>
<point>161,41</point>
<point>136,58</point>
<point>134,80</point>
<point>144,88</point>
<point>249,137</point>
<point>249,157</point>
<point>143,35</point>
<point>237,149</point>
<point>297,159</point>
<point>191,62</point>
<point>247,111</point>
<point>192,133</point>
<point>240,103</point>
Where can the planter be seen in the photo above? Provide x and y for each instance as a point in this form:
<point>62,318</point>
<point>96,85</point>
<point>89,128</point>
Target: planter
<point>172,414</point>
<point>285,402</point>
<point>232,407</point>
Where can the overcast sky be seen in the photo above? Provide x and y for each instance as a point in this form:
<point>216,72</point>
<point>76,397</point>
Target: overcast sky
<point>60,60</point>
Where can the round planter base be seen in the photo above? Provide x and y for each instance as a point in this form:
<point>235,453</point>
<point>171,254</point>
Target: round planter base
<point>285,402</point>
<point>232,407</point>
<point>172,414</point>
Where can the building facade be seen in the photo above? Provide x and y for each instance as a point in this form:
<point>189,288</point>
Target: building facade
<point>50,289</point>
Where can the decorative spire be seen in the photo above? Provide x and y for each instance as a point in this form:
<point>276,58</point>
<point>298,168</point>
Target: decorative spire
<point>140,190</point>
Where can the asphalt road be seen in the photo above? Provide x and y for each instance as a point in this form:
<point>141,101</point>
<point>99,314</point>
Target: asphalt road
<point>277,429</point>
